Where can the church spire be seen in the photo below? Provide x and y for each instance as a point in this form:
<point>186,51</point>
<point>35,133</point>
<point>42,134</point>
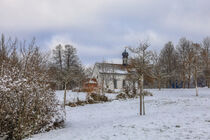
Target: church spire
<point>125,57</point>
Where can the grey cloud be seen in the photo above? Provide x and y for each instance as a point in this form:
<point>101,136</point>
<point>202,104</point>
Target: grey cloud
<point>102,28</point>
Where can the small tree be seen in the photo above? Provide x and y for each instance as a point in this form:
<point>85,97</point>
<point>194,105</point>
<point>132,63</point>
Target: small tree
<point>168,63</point>
<point>67,67</point>
<point>140,64</point>
<point>196,63</point>
<point>183,50</point>
<point>206,59</point>
<point>158,72</point>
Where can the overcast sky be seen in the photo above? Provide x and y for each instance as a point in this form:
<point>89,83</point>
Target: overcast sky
<point>100,29</point>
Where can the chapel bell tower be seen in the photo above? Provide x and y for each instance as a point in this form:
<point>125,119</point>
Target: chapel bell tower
<point>125,58</point>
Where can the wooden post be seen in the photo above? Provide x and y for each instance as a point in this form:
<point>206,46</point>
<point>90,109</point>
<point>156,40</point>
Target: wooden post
<point>159,83</point>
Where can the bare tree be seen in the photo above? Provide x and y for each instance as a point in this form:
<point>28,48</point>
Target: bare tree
<point>68,68</point>
<point>182,49</point>
<point>68,76</point>
<point>3,49</point>
<point>140,64</point>
<point>189,62</point>
<point>57,64</point>
<point>158,72</point>
<point>196,63</point>
<point>206,59</point>
<point>168,62</point>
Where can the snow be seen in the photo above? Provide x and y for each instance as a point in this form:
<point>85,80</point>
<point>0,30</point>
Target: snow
<point>115,71</point>
<point>174,114</point>
<point>72,96</point>
<point>121,71</point>
<point>92,82</point>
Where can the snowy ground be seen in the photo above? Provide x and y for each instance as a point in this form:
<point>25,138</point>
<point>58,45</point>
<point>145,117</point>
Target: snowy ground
<point>171,114</point>
<point>72,96</point>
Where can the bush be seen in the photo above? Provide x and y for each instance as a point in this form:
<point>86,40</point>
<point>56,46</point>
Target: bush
<point>91,99</point>
<point>110,91</point>
<point>98,97</point>
<point>147,93</point>
<point>121,96</point>
<point>126,95</point>
<point>27,104</point>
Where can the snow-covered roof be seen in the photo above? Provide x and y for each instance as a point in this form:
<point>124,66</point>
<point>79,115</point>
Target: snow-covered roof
<point>110,68</point>
<point>92,82</point>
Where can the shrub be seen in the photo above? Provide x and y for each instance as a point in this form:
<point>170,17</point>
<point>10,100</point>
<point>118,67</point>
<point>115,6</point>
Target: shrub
<point>110,91</point>
<point>98,97</point>
<point>121,96</point>
<point>27,103</point>
<point>147,93</point>
<point>126,95</point>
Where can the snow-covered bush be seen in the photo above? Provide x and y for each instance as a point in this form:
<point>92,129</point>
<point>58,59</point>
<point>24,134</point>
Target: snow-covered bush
<point>27,103</point>
<point>92,98</point>
<point>128,92</point>
<point>147,93</point>
<point>98,97</point>
<point>126,95</point>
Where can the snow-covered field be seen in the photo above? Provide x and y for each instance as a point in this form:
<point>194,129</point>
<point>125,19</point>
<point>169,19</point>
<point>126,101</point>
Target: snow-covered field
<point>171,114</point>
<point>72,96</point>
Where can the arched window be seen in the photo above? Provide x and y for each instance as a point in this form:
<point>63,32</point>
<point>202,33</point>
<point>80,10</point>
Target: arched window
<point>115,83</point>
<point>123,84</point>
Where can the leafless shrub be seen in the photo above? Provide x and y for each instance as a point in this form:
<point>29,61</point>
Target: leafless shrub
<point>27,103</point>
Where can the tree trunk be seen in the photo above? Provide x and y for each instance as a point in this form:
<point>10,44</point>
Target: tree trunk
<point>143,94</point>
<point>140,97</point>
<point>142,107</point>
<point>159,84</point>
<point>196,89</point>
<point>183,85</point>
<point>206,82</point>
<point>64,102</point>
<point>196,84</point>
<point>189,81</point>
<point>140,103</point>
<point>102,87</point>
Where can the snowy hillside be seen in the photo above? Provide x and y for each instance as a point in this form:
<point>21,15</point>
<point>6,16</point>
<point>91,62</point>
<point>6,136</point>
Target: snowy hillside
<point>171,114</point>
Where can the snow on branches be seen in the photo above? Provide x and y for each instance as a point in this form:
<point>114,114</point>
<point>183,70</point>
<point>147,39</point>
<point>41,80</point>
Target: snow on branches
<point>27,103</point>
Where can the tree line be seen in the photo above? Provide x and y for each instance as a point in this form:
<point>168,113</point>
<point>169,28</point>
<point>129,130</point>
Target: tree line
<point>182,66</point>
